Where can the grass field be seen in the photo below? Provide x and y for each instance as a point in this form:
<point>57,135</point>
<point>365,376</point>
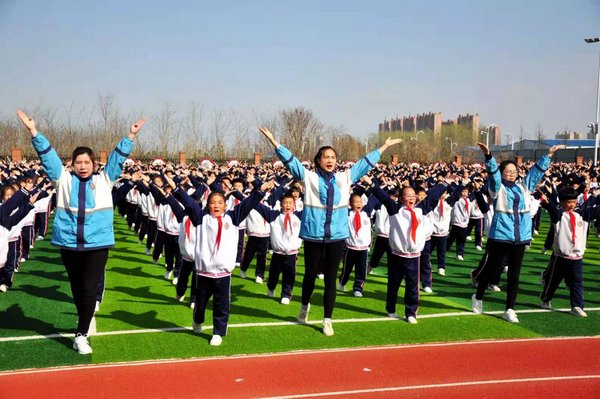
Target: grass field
<point>140,318</point>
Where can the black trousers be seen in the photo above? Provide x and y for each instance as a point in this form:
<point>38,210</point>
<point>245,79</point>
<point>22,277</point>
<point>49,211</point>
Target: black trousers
<point>571,270</point>
<point>187,268</point>
<point>219,288</point>
<point>324,257</point>
<point>357,261</point>
<point>497,250</point>
<point>381,246</point>
<point>258,246</point>
<point>85,269</point>
<point>286,266</point>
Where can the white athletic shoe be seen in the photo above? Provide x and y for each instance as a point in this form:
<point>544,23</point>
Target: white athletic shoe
<point>510,316</point>
<point>321,276</point>
<point>442,272</point>
<point>82,345</point>
<point>358,294</point>
<point>242,274</point>
<point>175,280</point>
<point>258,280</point>
<point>460,257</point>
<point>92,328</point>
<point>192,305</point>
<point>469,238</point>
<point>505,270</point>
<point>428,290</point>
<point>327,327</point>
<point>543,251</point>
<point>341,287</point>
<point>285,301</point>
<point>476,305</point>
<point>479,248</point>
<point>216,340</point>
<point>180,298</point>
<point>411,320</point>
<point>393,316</point>
<point>494,287</point>
<point>270,293</point>
<point>3,287</point>
<point>148,251</point>
<point>303,315</point>
<point>39,238</point>
<point>577,311</point>
<point>546,305</point>
<point>168,275</point>
<point>97,307</point>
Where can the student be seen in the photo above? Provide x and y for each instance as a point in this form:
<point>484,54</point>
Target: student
<point>382,229</point>
<point>324,224</point>
<point>215,252</point>
<point>286,242</point>
<point>459,221</point>
<point>357,245</point>
<point>510,230</point>
<point>570,239</point>
<point>83,223</point>
<point>440,218</point>
<point>407,239</point>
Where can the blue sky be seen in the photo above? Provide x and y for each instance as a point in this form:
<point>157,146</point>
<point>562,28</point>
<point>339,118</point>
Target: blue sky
<point>353,63</point>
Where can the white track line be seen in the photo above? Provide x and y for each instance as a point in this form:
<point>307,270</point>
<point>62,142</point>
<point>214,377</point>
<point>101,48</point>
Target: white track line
<point>278,323</point>
<point>436,386</point>
<point>294,353</point>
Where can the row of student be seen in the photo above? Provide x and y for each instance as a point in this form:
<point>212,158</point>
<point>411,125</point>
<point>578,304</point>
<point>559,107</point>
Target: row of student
<point>324,227</point>
<point>17,240</point>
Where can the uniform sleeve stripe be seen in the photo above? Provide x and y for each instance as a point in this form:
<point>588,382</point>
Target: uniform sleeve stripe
<point>47,150</point>
<point>538,167</point>
<point>121,153</point>
<point>286,161</point>
<point>493,171</point>
<point>369,162</point>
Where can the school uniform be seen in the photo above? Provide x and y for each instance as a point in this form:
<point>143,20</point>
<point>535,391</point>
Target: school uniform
<point>460,220</point>
<point>357,248</point>
<point>566,262</point>
<point>285,242</point>
<point>440,218</point>
<point>381,226</point>
<point>214,255</point>
<point>475,222</point>
<point>258,240</point>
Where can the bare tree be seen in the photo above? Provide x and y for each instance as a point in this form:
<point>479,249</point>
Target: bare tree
<point>192,125</point>
<point>219,130</point>
<point>167,129</point>
<point>299,126</point>
<point>539,132</point>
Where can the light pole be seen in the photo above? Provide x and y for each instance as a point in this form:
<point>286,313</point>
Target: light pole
<point>487,138</point>
<point>452,143</point>
<point>367,145</point>
<point>512,141</point>
<point>596,40</point>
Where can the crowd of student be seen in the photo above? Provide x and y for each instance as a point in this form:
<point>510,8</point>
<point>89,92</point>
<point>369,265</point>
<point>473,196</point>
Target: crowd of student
<point>197,218</point>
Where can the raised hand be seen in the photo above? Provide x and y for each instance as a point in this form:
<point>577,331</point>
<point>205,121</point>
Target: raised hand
<point>135,128</point>
<point>388,143</point>
<point>267,133</point>
<point>483,148</point>
<point>28,122</point>
<point>555,148</point>
<point>267,186</point>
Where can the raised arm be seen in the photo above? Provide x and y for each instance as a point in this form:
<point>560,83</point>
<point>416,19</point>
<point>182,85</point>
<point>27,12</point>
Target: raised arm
<point>114,165</point>
<point>50,160</point>
<point>289,160</point>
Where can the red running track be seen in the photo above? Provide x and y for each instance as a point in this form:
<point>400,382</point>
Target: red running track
<point>537,368</point>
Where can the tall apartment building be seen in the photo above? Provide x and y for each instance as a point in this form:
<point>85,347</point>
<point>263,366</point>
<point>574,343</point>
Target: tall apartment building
<point>430,121</point>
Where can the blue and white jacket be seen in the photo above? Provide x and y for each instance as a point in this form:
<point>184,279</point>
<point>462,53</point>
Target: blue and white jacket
<point>512,217</point>
<point>326,196</point>
<point>84,207</point>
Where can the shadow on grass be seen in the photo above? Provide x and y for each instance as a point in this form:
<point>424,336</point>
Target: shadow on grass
<point>52,292</point>
<point>48,260</point>
<point>143,320</point>
<point>137,272</point>
<point>14,316</point>
<point>59,275</point>
<point>142,292</point>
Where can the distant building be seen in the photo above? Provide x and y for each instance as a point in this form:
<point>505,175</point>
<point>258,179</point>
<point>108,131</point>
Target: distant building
<point>429,121</point>
<point>566,135</point>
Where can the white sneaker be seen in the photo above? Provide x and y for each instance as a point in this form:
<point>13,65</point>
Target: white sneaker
<point>285,301</point>
<point>476,305</point>
<point>155,261</point>
<point>258,280</point>
<point>148,251</point>
<point>196,327</point>
<point>97,307</point>
<point>546,305</point>
<point>474,281</point>
<point>358,294</point>
<point>82,345</point>
<point>505,270</point>
<point>168,275</point>
<point>427,290</point>
<point>270,293</point>
<point>543,251</point>
<point>393,316</point>
<point>39,238</point>
<point>92,328</point>
<point>303,315</point>
<point>341,287</point>
<point>23,260</point>
<point>469,238</point>
<point>180,298</point>
<point>479,248</point>
<point>494,287</point>
<point>216,340</point>
<point>321,276</point>
<point>442,272</point>
<point>3,287</point>
<point>510,316</point>
<point>577,311</point>
<point>327,327</point>
<point>369,270</point>
<point>535,232</point>
<point>411,320</point>
<point>192,305</point>
<point>460,257</point>
<point>242,274</point>
<point>175,280</point>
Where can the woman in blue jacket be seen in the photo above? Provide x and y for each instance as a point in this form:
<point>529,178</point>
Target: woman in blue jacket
<point>510,229</point>
<point>83,221</point>
<point>324,223</point>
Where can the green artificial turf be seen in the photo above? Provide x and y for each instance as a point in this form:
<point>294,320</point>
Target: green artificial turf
<point>138,298</point>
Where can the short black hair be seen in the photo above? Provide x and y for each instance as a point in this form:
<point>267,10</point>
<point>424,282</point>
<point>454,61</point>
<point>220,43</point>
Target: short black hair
<point>567,193</point>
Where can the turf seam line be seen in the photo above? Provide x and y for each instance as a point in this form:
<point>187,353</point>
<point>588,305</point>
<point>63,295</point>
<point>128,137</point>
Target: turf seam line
<point>279,324</point>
